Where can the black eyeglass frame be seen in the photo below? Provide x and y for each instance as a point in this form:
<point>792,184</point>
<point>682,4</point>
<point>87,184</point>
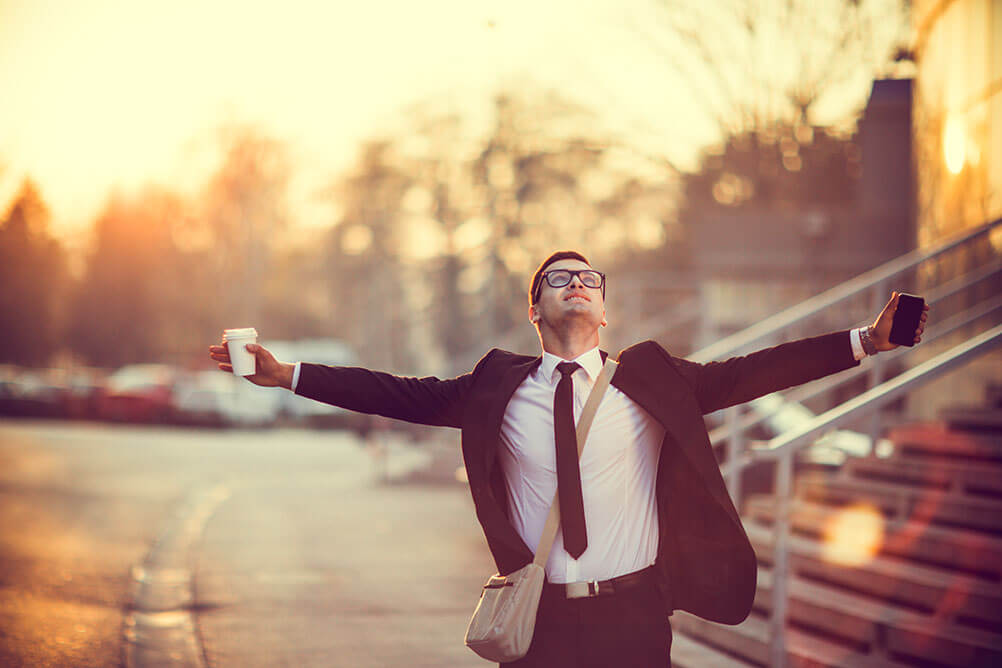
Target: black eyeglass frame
<point>573,272</point>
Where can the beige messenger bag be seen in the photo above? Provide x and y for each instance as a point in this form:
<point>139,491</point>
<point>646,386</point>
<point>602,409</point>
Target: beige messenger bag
<point>503,623</point>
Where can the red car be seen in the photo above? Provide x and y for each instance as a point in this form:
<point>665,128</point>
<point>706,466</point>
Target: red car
<point>138,393</point>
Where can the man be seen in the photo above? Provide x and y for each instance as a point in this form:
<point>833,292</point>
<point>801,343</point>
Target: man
<point>645,516</point>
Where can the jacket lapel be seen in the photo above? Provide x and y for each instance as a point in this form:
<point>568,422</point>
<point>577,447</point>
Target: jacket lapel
<point>659,400</point>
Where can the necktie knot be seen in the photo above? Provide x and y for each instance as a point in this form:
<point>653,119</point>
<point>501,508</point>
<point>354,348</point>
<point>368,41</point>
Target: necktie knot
<point>567,368</point>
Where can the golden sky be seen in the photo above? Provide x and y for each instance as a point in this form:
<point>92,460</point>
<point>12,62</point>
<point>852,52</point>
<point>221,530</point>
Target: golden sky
<point>101,93</point>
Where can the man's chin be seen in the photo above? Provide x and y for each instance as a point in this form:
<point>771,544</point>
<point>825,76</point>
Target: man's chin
<point>581,313</point>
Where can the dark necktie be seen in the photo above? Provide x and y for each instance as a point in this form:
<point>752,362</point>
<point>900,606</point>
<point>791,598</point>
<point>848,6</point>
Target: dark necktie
<point>572,517</point>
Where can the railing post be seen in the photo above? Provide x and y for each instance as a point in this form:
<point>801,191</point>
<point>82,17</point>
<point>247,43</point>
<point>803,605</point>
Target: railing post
<point>735,448</point>
<point>780,558</point>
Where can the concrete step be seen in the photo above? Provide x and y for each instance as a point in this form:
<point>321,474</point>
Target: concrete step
<point>904,501</point>
<point>918,542</point>
<point>975,478</point>
<point>880,629</point>
<point>936,439</point>
<point>973,418</point>
<point>750,641</point>
<point>946,594</point>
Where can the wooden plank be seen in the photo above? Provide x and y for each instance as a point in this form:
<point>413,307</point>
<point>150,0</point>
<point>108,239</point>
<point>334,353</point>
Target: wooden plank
<point>980,478</point>
<point>917,541</point>
<point>936,591</point>
<point>937,439</point>
<point>905,502</point>
<point>851,616</point>
<point>750,640</point>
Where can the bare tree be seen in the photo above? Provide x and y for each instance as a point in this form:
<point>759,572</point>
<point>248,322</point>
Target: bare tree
<point>750,63</point>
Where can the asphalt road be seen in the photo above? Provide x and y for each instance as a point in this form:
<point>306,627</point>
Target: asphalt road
<point>157,546</point>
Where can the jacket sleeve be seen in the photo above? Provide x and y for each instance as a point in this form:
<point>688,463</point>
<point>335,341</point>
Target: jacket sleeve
<point>734,381</point>
<point>428,400</point>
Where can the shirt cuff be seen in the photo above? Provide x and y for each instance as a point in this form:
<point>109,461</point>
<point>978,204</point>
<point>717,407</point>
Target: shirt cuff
<point>857,346</point>
<point>295,376</point>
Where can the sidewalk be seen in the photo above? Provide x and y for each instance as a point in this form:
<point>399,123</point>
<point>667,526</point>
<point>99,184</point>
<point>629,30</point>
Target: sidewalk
<point>329,570</point>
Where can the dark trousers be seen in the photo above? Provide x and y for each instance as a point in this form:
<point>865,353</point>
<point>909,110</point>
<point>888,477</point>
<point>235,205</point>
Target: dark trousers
<point>627,629</point>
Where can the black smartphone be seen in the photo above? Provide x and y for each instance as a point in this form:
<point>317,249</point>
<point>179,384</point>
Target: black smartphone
<point>906,319</point>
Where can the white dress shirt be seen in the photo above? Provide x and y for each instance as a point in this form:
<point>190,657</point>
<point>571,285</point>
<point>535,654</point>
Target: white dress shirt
<point>618,473</point>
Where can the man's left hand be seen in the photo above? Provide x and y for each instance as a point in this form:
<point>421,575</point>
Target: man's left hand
<point>881,329</point>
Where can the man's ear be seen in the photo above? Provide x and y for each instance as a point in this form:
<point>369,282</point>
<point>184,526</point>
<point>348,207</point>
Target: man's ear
<point>533,314</point>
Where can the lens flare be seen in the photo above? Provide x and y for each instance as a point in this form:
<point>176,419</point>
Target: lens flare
<point>853,536</point>
<point>954,145</point>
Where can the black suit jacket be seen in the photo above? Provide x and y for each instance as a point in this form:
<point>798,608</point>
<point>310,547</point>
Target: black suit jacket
<point>705,561</point>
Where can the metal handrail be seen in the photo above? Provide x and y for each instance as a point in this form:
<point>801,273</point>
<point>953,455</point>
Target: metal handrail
<point>877,280</point>
<point>822,386</point>
<point>806,392</point>
<point>882,394</point>
<point>754,335</point>
<point>784,447</point>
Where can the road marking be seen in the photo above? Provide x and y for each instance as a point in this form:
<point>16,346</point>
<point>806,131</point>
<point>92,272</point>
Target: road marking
<point>160,629</point>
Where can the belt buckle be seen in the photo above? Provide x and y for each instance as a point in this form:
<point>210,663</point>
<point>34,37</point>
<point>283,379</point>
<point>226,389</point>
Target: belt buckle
<point>585,589</point>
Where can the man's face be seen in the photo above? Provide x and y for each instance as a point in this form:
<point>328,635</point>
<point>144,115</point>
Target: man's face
<point>572,301</point>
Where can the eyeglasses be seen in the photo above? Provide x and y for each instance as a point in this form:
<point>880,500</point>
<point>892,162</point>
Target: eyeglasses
<point>558,278</point>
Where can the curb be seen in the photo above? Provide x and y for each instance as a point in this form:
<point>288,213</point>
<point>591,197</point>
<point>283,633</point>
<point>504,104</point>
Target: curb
<point>160,627</point>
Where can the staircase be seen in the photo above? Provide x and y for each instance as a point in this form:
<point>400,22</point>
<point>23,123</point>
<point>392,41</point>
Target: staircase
<point>893,561</point>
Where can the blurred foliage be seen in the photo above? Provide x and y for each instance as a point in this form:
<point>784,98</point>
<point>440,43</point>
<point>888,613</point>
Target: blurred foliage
<point>441,230</point>
<point>426,263</point>
<point>780,167</point>
<point>33,277</point>
<point>164,274</point>
<point>130,303</point>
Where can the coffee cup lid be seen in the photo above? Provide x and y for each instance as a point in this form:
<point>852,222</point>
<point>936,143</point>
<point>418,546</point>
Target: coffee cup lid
<point>240,333</point>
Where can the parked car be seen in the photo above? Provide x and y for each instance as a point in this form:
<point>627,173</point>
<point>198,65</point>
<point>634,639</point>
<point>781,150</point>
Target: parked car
<point>82,390</point>
<point>138,393</point>
<point>216,399</point>
<point>299,409</point>
<point>29,393</point>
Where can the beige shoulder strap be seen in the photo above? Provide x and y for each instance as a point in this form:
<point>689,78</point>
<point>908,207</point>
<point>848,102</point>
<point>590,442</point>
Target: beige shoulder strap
<point>584,424</point>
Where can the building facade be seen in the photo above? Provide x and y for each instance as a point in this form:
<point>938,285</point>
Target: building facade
<point>957,134</point>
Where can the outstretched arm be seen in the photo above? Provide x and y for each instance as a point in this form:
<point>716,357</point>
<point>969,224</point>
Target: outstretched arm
<point>739,379</point>
<point>422,400</point>
<point>428,400</point>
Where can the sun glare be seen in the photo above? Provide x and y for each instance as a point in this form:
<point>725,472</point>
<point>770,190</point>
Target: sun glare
<point>853,536</point>
<point>954,145</point>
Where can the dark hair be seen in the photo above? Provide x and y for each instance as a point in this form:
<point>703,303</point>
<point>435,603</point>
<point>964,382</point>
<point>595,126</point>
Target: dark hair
<point>538,276</point>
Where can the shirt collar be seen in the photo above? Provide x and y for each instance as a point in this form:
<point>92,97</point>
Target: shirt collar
<point>590,361</point>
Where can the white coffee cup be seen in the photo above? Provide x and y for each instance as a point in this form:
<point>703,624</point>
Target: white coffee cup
<point>236,340</point>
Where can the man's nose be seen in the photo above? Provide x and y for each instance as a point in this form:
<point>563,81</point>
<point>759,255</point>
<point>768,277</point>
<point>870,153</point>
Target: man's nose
<point>576,281</point>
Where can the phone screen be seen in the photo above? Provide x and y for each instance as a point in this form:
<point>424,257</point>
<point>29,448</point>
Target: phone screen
<point>906,319</point>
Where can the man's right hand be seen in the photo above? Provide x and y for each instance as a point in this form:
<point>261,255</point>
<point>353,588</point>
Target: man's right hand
<point>270,372</point>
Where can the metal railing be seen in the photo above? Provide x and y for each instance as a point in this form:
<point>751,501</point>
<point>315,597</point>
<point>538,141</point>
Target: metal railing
<point>875,284</point>
<point>875,287</point>
<point>878,280</point>
<point>782,449</point>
